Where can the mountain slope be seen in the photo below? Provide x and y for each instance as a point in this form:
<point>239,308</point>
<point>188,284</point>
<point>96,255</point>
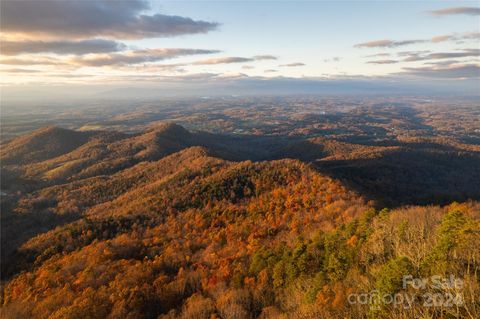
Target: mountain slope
<point>242,203</point>
<point>107,153</point>
<point>149,226</point>
<point>110,152</point>
<point>42,144</point>
<point>254,240</point>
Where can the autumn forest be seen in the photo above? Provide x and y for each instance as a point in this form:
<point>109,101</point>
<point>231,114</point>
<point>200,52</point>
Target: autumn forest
<point>177,223</point>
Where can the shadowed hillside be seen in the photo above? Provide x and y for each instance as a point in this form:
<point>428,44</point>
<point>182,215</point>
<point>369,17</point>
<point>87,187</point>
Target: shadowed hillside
<point>402,171</point>
<point>42,144</point>
<point>407,171</point>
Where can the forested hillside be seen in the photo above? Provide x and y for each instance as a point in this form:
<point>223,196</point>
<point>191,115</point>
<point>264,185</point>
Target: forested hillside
<point>176,224</point>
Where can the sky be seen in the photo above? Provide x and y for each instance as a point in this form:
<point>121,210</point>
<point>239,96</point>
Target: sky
<point>197,44</point>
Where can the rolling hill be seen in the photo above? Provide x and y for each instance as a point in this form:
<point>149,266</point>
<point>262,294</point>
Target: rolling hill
<point>42,144</point>
<point>169,223</point>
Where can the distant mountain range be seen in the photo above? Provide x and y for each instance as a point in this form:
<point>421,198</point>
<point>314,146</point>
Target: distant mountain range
<point>410,170</point>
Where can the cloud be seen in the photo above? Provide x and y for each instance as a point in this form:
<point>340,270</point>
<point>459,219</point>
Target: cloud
<point>234,59</point>
<point>443,63</point>
<point>383,62</point>
<point>84,19</point>
<point>474,11</point>
<point>475,35</point>
<point>456,37</point>
<point>382,54</point>
<point>61,47</point>
<point>265,57</point>
<point>408,53</point>
<point>293,64</point>
<point>386,43</point>
<point>465,71</point>
<point>441,38</point>
<point>223,60</point>
<point>334,59</point>
<point>19,71</point>
<point>248,67</point>
<point>193,77</point>
<point>31,61</point>
<point>270,71</point>
<point>136,57</point>
<point>442,55</point>
<point>146,68</point>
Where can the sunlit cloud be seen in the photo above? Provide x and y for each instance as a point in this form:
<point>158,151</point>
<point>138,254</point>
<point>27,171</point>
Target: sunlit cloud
<point>474,11</point>
<point>383,62</point>
<point>443,55</point>
<point>471,36</point>
<point>295,64</point>
<point>32,61</point>
<point>137,56</point>
<point>17,70</point>
<point>467,71</point>
<point>385,43</point>
<point>61,47</point>
<point>377,55</point>
<point>234,59</point>
<point>442,38</point>
<point>409,53</point>
<point>456,37</point>
<point>223,60</point>
<point>86,19</point>
<point>265,57</point>
<point>443,63</point>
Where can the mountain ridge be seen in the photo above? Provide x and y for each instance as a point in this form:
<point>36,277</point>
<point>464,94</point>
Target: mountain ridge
<point>173,224</point>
